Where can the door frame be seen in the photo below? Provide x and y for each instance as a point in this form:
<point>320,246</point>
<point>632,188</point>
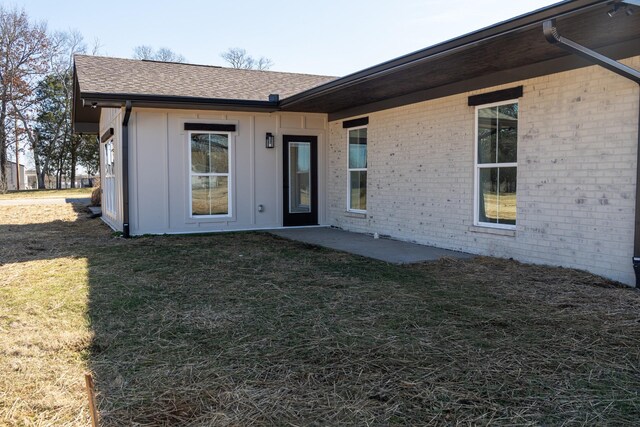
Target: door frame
<point>307,218</point>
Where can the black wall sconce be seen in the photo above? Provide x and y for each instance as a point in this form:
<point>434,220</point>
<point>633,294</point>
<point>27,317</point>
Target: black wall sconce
<point>271,140</point>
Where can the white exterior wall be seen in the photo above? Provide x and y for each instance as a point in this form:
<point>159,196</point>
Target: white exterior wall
<point>112,118</point>
<point>159,180</point>
<point>578,135</point>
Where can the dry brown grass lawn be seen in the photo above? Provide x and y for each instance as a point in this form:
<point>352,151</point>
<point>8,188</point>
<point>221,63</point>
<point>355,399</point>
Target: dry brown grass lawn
<point>40,194</point>
<point>246,328</point>
<point>44,332</point>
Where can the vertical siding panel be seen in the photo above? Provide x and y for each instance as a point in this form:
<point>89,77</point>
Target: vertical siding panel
<point>151,175</point>
<point>134,159</point>
<point>162,169</point>
<point>252,166</point>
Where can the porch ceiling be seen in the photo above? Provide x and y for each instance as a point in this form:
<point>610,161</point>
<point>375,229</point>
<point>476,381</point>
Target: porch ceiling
<point>504,53</point>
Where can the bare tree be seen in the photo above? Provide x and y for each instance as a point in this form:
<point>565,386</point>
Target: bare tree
<point>239,58</point>
<point>30,61</point>
<point>167,55</point>
<point>56,150</point>
<point>59,58</point>
<point>143,52</point>
<point>71,44</point>
<point>163,54</point>
<point>96,47</point>
<point>24,54</point>
<point>264,63</point>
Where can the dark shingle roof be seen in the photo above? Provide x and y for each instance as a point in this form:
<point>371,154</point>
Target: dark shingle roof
<point>105,75</point>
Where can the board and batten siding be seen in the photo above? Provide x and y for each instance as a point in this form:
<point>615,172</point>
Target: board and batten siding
<point>159,169</point>
<point>578,134</point>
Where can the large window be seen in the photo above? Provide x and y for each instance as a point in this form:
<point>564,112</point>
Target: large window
<point>210,179</point>
<point>496,164</point>
<point>357,170</point>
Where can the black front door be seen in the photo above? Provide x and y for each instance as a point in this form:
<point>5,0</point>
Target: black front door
<point>300,180</point>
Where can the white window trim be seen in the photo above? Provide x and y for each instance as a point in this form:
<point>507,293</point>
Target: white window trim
<point>109,187</point>
<point>229,175</point>
<point>349,170</point>
<point>477,167</point>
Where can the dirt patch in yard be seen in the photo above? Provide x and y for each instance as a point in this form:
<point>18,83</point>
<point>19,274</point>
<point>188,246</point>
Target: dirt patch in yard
<point>247,328</point>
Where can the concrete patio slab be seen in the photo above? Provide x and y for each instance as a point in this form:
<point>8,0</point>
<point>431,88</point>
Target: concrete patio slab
<point>393,251</point>
<point>96,211</point>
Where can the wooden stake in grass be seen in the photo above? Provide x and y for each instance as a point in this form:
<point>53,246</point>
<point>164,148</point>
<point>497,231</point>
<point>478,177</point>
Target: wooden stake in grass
<point>92,399</point>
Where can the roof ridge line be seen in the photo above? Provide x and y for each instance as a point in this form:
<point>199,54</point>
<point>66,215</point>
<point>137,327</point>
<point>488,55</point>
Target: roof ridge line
<point>200,65</point>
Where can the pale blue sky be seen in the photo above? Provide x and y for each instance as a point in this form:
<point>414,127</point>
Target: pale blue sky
<point>323,37</point>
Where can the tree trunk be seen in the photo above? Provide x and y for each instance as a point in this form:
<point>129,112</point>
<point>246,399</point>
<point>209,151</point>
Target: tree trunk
<point>3,141</point>
<point>74,160</point>
<point>39,174</point>
<point>42,175</point>
<point>35,148</point>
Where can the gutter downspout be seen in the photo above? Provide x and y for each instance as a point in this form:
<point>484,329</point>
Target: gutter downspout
<point>125,170</point>
<point>551,34</point>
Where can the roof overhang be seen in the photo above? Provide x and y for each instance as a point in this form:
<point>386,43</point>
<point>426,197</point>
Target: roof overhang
<point>87,106</point>
<point>503,53</point>
<point>507,52</point>
<point>83,120</point>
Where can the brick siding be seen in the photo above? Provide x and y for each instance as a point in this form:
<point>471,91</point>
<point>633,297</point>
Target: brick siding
<point>578,133</point>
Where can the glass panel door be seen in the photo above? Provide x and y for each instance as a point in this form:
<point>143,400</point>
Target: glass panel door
<point>299,177</point>
<point>300,180</point>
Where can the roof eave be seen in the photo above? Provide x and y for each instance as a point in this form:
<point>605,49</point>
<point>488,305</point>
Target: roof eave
<point>445,48</point>
<point>564,63</point>
<point>96,100</point>
<point>165,101</point>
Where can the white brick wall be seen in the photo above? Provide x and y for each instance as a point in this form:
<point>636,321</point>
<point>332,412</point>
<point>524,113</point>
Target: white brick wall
<point>578,134</point>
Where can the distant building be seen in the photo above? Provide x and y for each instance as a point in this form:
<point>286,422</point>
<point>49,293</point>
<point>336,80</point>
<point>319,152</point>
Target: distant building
<point>82,181</point>
<point>32,180</point>
<point>85,181</point>
<point>12,176</point>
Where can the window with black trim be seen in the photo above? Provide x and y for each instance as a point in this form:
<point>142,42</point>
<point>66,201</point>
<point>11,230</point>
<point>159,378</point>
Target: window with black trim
<point>496,164</point>
<point>210,180</point>
<point>357,169</point>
